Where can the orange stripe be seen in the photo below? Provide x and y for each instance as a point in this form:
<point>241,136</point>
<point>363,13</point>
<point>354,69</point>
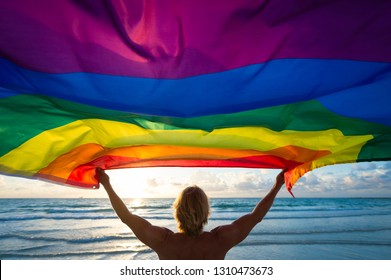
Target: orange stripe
<point>155,155</point>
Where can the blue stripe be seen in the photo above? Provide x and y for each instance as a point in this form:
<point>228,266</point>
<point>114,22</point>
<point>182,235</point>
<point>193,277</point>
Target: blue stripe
<point>353,88</point>
<point>370,100</point>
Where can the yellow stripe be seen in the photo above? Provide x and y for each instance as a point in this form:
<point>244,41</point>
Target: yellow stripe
<point>343,154</point>
<point>41,150</point>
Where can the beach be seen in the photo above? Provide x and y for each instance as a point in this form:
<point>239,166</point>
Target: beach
<point>294,229</point>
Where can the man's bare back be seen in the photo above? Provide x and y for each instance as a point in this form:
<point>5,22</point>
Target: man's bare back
<point>180,246</point>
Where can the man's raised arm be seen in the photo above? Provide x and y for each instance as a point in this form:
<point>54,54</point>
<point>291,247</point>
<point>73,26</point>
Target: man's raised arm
<point>266,203</point>
<point>237,231</point>
<point>150,235</point>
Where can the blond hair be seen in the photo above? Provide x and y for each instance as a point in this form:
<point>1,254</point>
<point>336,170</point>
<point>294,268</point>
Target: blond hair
<point>192,210</point>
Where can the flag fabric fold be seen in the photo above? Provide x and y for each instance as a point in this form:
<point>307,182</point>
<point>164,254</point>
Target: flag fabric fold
<point>257,84</point>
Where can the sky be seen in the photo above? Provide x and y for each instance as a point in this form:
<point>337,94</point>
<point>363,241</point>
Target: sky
<point>370,179</point>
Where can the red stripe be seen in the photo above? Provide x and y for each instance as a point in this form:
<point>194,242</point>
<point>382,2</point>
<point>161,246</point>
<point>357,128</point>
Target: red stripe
<point>86,173</point>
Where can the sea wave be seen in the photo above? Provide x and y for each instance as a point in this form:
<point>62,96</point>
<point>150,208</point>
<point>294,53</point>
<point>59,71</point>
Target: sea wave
<point>319,216</point>
<point>94,239</point>
<point>317,242</point>
<point>168,216</point>
<point>78,211</point>
<point>71,255</point>
<point>52,217</point>
<point>321,231</point>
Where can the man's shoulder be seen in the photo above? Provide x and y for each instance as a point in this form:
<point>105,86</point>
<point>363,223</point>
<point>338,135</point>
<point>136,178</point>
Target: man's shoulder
<point>165,232</point>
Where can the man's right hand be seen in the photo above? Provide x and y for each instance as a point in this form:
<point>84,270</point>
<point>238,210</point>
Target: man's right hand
<point>103,178</point>
<point>280,180</point>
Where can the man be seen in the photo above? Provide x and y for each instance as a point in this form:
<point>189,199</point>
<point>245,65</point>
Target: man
<point>191,212</point>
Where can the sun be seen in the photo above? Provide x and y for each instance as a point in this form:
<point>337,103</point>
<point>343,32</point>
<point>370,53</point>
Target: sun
<point>129,183</point>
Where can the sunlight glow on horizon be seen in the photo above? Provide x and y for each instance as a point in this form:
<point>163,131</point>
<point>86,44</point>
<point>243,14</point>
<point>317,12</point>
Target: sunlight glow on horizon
<point>343,180</point>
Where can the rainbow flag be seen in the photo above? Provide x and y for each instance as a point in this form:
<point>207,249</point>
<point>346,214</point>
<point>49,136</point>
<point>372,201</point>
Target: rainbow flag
<point>197,83</point>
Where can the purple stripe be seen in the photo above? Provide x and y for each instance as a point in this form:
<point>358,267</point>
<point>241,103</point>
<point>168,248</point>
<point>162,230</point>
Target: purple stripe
<point>176,39</point>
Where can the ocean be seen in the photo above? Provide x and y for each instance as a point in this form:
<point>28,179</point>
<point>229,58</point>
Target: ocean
<point>294,229</point>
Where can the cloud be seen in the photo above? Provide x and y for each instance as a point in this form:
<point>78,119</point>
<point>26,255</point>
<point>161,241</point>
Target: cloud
<point>210,181</point>
<point>152,182</point>
<point>251,181</point>
<point>364,166</point>
<point>364,179</point>
<point>217,182</point>
<point>234,182</point>
<point>372,177</point>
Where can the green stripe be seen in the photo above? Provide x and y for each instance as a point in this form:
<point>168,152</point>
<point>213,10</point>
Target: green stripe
<point>379,148</point>
<point>25,116</point>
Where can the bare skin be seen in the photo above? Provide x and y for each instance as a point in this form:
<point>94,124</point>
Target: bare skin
<point>170,245</point>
